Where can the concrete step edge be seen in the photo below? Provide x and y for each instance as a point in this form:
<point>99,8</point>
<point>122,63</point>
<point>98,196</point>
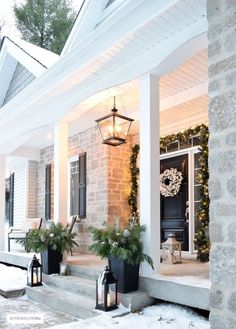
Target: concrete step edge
<point>64,301</point>
<point>71,283</point>
<point>84,272</point>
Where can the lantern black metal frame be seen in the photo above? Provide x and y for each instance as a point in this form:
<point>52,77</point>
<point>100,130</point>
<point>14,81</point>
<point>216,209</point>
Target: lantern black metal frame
<point>34,278</point>
<point>108,279</point>
<point>114,140</point>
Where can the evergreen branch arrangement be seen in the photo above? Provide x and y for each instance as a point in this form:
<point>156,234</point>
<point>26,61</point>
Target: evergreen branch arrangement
<point>134,171</point>
<point>55,237</point>
<point>122,243</point>
<point>202,240</point>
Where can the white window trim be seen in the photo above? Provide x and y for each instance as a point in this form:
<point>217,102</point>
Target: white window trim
<point>70,160</point>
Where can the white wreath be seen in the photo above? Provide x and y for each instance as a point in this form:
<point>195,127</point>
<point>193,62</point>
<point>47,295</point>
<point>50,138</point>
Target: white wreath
<point>170,182</point>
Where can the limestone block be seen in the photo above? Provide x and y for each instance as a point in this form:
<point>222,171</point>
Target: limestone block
<point>216,298</point>
<point>223,266</point>
<point>216,232</point>
<point>215,188</point>
<point>232,302</point>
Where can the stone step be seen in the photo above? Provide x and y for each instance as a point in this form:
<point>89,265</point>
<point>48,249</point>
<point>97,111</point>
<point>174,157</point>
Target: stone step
<point>86,272</point>
<point>75,284</point>
<point>76,305</point>
<point>12,293</point>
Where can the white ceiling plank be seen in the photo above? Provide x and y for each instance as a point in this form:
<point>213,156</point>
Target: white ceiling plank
<point>184,96</point>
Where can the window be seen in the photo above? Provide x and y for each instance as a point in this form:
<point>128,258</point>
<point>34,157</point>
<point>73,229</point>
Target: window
<point>110,2</point>
<point>74,188</point>
<point>9,199</point>
<point>177,145</point>
<point>77,186</point>
<point>48,192</point>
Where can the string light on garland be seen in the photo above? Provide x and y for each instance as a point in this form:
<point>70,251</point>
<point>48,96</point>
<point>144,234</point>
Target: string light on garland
<point>201,239</point>
<point>134,171</point>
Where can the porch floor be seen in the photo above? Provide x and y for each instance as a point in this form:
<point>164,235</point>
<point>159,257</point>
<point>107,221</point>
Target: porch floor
<point>188,268</point>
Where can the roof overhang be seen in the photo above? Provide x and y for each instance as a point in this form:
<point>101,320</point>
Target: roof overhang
<point>108,57</point>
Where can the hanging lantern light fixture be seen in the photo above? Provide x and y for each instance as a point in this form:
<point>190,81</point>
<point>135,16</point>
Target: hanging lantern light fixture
<point>114,127</point>
<point>34,273</point>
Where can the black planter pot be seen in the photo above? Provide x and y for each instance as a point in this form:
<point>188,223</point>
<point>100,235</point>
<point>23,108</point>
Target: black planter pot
<point>51,261</point>
<point>126,274</point>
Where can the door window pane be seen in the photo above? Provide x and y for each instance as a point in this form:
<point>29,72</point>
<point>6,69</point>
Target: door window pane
<point>185,145</point>
<point>197,160</point>
<point>173,147</point>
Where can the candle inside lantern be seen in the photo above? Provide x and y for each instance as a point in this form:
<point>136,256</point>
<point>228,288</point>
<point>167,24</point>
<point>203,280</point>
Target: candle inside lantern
<point>108,300</point>
<point>63,269</point>
<point>35,278</point>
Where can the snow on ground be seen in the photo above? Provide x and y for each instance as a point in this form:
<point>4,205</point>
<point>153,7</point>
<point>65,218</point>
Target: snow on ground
<point>164,316</point>
<point>12,278</point>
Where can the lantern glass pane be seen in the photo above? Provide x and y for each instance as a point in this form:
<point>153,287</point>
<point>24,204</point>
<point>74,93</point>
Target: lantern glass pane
<point>101,296</point>
<point>111,296</point>
<point>121,128</point>
<point>106,127</point>
<point>29,281</point>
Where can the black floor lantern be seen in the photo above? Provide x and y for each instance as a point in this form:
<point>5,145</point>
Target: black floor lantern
<point>34,274</point>
<point>106,291</point>
<point>114,127</point>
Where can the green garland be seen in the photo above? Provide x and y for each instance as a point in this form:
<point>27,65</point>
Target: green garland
<point>202,236</point>
<point>134,170</point>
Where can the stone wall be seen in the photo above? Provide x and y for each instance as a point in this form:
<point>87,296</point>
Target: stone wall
<point>119,182</point>
<point>89,141</point>
<point>107,181</point>
<point>46,157</point>
<point>222,161</point>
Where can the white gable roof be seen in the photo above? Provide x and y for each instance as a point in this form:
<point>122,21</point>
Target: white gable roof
<point>41,55</point>
<point>92,13</point>
<point>35,59</point>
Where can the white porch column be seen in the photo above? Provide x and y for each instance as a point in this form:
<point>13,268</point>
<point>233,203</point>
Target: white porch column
<point>2,198</point>
<point>60,172</point>
<point>150,169</point>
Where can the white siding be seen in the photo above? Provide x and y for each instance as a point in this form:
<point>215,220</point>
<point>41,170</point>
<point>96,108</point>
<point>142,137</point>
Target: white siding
<point>24,195</point>
<point>19,169</point>
<point>21,78</point>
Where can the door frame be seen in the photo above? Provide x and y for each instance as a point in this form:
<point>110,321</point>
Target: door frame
<point>190,152</point>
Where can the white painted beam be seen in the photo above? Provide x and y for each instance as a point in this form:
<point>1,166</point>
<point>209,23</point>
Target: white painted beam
<point>2,198</point>
<point>60,172</point>
<point>28,153</point>
<point>150,169</point>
